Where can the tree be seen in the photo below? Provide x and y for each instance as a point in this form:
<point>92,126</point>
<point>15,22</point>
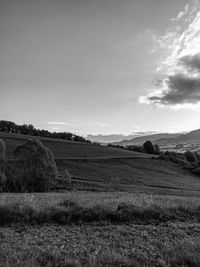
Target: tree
<point>190,157</point>
<point>37,166</point>
<point>156,149</point>
<point>148,147</point>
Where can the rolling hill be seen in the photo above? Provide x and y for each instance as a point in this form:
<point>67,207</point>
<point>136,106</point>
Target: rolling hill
<point>68,149</point>
<point>153,138</point>
<point>95,166</point>
<point>192,137</point>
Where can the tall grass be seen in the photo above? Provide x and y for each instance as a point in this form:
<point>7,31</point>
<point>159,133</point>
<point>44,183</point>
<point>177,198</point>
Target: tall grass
<point>70,212</point>
<point>44,200</point>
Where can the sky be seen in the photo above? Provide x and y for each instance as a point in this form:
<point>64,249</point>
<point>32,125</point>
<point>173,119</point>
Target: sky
<point>101,66</point>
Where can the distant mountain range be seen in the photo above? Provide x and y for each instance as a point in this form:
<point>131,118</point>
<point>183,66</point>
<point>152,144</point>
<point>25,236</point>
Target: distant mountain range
<point>110,138</point>
<point>192,137</point>
<point>141,139</point>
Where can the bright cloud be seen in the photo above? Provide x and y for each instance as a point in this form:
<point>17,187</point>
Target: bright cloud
<point>57,123</point>
<point>180,63</point>
<point>182,13</point>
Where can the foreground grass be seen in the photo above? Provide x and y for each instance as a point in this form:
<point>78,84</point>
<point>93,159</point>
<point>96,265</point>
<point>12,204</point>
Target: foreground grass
<point>99,229</point>
<point>108,245</point>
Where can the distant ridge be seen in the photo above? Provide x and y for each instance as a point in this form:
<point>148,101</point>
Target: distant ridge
<point>192,137</point>
<point>153,137</point>
<point>110,138</point>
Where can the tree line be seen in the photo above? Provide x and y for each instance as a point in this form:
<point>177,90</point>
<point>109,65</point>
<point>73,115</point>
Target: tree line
<point>29,129</point>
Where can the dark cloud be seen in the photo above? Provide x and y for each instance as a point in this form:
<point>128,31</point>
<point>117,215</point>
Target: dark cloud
<point>191,62</point>
<point>181,89</point>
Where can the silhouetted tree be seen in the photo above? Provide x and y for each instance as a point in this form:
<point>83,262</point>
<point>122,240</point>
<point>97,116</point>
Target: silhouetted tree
<point>156,149</point>
<point>37,166</point>
<point>190,156</point>
<point>197,155</point>
<point>148,147</point>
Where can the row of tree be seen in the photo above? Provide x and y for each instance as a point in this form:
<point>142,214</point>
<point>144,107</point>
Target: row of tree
<point>28,129</point>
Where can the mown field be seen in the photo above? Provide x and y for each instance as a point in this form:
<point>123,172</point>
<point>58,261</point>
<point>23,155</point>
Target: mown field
<point>86,231</point>
<point>132,173</point>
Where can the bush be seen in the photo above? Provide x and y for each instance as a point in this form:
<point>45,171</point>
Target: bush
<point>37,166</point>
<point>148,147</point>
<point>12,181</point>
<point>190,157</point>
<point>135,148</point>
<point>156,149</point>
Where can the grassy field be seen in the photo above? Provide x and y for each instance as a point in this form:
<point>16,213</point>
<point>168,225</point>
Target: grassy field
<point>98,242</point>
<point>68,149</point>
<point>152,218</point>
<point>134,172</point>
<point>93,167</point>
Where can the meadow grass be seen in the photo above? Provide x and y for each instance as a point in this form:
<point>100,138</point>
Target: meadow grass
<point>99,229</point>
<point>76,207</point>
<point>85,198</point>
<point>100,246</point>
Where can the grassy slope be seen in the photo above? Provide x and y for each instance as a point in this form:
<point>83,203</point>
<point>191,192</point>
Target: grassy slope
<point>138,171</point>
<point>100,164</point>
<point>68,149</point>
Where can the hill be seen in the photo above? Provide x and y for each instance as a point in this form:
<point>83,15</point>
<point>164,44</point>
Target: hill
<point>192,137</point>
<point>68,149</point>
<point>153,138</point>
<point>93,167</point>
<point>190,140</point>
<point>133,172</point>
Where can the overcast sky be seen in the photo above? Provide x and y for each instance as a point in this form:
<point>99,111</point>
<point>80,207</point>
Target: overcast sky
<point>101,66</point>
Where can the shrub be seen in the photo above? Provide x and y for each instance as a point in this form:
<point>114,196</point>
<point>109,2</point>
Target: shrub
<point>37,166</point>
<point>190,156</point>
<point>197,155</point>
<point>148,147</point>
<point>156,149</point>
<point>135,148</point>
<point>12,181</point>
<point>197,171</point>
